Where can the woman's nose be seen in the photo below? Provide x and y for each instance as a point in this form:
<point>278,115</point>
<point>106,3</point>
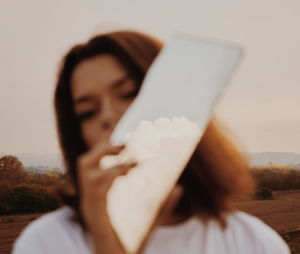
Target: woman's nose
<point>108,116</point>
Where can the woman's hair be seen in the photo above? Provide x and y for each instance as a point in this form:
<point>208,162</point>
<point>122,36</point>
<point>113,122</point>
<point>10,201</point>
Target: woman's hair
<point>216,172</point>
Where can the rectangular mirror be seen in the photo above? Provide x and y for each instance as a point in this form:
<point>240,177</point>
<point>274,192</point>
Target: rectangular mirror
<point>162,128</point>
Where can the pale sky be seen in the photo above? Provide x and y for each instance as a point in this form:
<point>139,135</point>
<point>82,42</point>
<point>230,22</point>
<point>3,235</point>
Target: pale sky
<point>261,106</point>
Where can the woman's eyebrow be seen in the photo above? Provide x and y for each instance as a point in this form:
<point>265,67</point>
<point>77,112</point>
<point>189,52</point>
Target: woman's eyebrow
<point>119,82</point>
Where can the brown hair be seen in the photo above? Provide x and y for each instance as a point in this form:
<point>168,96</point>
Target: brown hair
<point>216,172</point>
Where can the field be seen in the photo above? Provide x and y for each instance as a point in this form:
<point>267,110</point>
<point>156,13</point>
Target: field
<point>10,227</point>
<point>282,213</point>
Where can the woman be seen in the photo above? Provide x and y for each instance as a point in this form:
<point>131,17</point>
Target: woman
<point>97,82</point>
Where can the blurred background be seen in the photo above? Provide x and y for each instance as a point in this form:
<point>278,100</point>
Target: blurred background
<point>261,106</point>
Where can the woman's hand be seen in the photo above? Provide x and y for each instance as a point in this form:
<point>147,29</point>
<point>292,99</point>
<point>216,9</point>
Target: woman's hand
<point>94,184</point>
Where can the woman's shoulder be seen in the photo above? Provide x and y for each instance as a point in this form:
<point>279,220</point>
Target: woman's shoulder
<point>49,231</point>
<point>60,218</point>
<point>244,234</point>
<point>249,228</point>
<point>251,225</point>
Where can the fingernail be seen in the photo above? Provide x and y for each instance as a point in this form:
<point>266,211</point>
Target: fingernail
<point>121,146</point>
<point>132,164</point>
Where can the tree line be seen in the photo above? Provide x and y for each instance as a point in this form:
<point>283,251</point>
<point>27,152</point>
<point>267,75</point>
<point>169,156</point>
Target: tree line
<point>26,191</point>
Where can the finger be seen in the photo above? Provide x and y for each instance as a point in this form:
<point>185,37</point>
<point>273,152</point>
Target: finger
<point>106,177</point>
<point>98,182</point>
<point>92,157</point>
<point>118,170</point>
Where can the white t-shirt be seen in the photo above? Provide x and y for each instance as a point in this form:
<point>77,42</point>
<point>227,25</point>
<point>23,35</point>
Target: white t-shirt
<point>56,233</point>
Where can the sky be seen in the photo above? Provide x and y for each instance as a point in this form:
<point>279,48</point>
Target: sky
<point>260,109</point>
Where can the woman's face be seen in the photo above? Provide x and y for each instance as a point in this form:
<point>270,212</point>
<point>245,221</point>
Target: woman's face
<point>102,90</point>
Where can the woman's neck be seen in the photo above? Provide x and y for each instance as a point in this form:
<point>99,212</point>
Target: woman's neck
<point>173,220</point>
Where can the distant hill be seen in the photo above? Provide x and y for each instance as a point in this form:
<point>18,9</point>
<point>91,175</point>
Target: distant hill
<point>281,158</point>
<point>39,161</point>
<point>42,161</point>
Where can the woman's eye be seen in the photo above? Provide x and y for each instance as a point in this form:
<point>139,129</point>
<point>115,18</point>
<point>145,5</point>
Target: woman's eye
<point>133,93</point>
<point>86,115</point>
